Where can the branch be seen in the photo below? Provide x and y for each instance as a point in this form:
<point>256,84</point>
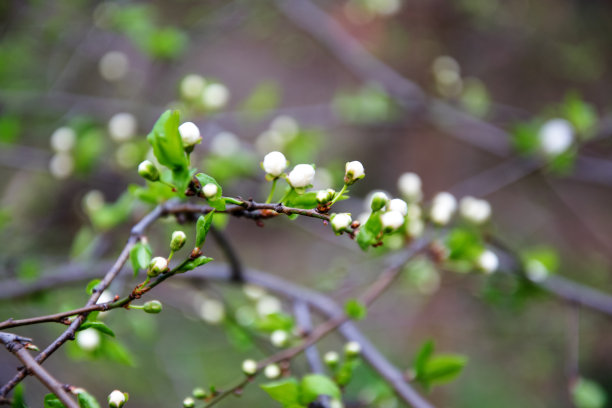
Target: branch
<point>18,346</point>
<point>230,253</point>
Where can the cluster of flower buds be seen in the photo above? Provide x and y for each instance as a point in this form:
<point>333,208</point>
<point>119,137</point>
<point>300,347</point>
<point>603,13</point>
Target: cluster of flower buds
<point>197,89</point>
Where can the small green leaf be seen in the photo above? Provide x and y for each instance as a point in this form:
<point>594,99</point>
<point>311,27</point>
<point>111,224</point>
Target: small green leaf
<point>307,200</point>
<point>87,400</point>
<point>18,400</point>
<point>369,232</point>
<point>443,368</point>
<point>355,309</point>
<point>190,265</point>
<point>285,391</point>
<point>99,326</point>
<point>588,394</point>
<point>275,321</point>
<point>202,228</point>
<point>91,285</point>
<point>51,401</point>
<point>140,257</point>
<point>423,357</point>
<point>166,141</point>
<point>314,385</point>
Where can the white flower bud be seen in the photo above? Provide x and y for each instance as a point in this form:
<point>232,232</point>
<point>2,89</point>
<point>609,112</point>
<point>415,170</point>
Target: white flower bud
<point>474,209</point>
<point>536,270</point>
<point>61,165</point>
<point>177,241</point>
<point>352,349</point>
<point>341,222</point>
<point>188,402</point>
<point>399,205</point>
<point>122,126</point>
<point>391,220</point>
<point>249,367</point>
<point>331,358</point>
<point>253,292</point>
<point>212,311</point>
<point>192,86</point>
<point>116,399</point>
<point>336,404</point>
<point>190,134</point>
<point>354,171</point>
<point>268,305</point>
<point>113,66</point>
<point>301,175</point>
<point>225,144</point>
<point>215,96</point>
<point>63,139</point>
<point>210,190</point>
<point>157,266</point>
<point>556,136</point>
<point>279,338</point>
<point>274,163</point>
<point>93,201</point>
<point>285,125</point>
<point>416,227</point>
<point>443,207</point>
<point>272,371</point>
<point>409,185</point>
<point>148,171</point>
<point>488,262</point>
<point>88,339</point>
<point>414,211</point>
<point>325,196</point>
<point>379,201</point>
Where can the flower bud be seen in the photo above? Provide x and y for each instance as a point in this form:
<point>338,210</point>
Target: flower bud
<point>399,205</point>
<point>190,134</point>
<point>409,185</point>
<point>340,222</point>
<point>88,339</point>
<point>63,139</point>
<point>215,96</point>
<point>157,266</point>
<point>301,176</point>
<point>391,220</point>
<point>536,270</point>
<point>279,338</point>
<point>122,126</point>
<point>199,393</point>
<point>116,399</point>
<point>189,402</point>
<point>249,367</point>
<point>379,200</point>
<point>352,349</point>
<point>177,241</point>
<point>488,262</point>
<point>325,196</point>
<point>148,171</point>
<point>474,210</point>
<point>210,190</point>
<point>556,136</point>
<point>274,163</point>
<point>153,307</point>
<point>353,172</point>
<point>443,207</point>
<point>331,358</point>
<point>272,371</point>
<point>191,86</point>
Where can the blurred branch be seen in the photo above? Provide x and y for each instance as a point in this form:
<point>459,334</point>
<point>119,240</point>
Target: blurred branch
<point>18,346</point>
<point>230,253</point>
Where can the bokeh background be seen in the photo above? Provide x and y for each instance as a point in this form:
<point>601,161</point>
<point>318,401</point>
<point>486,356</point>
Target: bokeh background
<point>484,68</point>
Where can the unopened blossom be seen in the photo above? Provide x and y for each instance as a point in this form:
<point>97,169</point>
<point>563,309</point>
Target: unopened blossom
<point>116,399</point>
<point>399,205</point>
<point>122,126</point>
<point>391,220</point>
<point>488,261</point>
<point>274,163</point>
<point>249,367</point>
<point>353,171</point>
<point>474,210</point>
<point>341,222</point>
<point>190,134</point>
<point>301,175</point>
<point>409,186</point>
<point>443,207</point>
<point>556,136</point>
<point>210,190</point>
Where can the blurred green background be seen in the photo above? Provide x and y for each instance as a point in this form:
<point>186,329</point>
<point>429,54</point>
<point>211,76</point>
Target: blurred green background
<point>77,64</point>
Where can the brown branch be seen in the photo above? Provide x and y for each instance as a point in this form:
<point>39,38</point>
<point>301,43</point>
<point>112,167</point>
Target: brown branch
<point>17,345</point>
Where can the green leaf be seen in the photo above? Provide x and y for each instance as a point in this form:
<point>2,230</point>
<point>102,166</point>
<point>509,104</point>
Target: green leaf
<point>443,368</point>
<point>588,394</point>
<point>51,401</point>
<point>275,321</point>
<point>355,309</point>
<point>369,232</point>
<point>190,265</point>
<point>140,257</point>
<point>99,326</point>
<point>87,400</point>
<point>525,137</point>
<point>314,385</point>
<point>18,400</point>
<point>202,228</point>
<point>10,129</point>
<point>216,202</point>
<point>581,114</point>
<point>91,285</point>
<point>307,200</point>
<point>422,357</point>
<point>464,244</point>
<point>166,141</point>
<point>285,391</point>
